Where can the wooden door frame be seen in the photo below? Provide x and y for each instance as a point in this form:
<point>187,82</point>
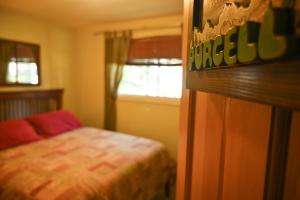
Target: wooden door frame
<point>187,108</point>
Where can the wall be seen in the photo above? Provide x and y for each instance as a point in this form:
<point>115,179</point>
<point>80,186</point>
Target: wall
<point>157,120</point>
<point>150,118</point>
<point>57,51</point>
<point>90,64</point>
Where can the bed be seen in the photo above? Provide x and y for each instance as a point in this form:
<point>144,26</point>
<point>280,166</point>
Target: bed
<point>84,163</point>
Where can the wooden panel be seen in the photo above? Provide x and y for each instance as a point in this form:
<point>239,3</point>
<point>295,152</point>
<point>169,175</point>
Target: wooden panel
<point>265,83</point>
<point>208,144</point>
<point>292,181</point>
<point>247,128</point>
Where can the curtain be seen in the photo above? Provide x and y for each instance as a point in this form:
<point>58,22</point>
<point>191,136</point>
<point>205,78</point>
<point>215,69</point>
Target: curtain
<point>116,54</point>
<point>7,52</point>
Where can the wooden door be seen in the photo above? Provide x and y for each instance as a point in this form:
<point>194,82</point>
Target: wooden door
<point>292,176</point>
<point>231,149</point>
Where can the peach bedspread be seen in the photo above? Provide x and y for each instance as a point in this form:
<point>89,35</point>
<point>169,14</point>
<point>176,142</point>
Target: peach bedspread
<point>87,163</point>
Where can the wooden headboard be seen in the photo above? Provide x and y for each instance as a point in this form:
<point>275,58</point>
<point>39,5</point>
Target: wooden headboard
<point>20,104</point>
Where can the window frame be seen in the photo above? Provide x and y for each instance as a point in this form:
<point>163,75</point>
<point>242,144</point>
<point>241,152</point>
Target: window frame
<point>37,61</point>
<point>148,98</point>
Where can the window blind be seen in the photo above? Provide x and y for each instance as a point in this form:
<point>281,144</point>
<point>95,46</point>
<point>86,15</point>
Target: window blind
<point>155,48</point>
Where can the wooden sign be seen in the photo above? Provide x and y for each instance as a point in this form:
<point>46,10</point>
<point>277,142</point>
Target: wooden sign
<point>246,49</point>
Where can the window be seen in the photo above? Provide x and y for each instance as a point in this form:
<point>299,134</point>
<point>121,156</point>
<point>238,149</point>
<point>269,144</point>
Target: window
<point>19,63</point>
<point>152,77</point>
<point>154,67</point>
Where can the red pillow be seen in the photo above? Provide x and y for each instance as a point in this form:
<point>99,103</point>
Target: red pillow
<point>53,123</point>
<point>16,132</point>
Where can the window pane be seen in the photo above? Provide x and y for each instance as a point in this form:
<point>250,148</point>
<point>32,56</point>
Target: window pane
<point>170,82</point>
<point>11,76</point>
<point>133,81</point>
<point>162,81</point>
<point>27,73</point>
<point>22,72</point>
<point>152,81</point>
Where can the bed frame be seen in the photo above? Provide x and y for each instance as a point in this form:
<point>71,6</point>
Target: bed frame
<point>20,104</point>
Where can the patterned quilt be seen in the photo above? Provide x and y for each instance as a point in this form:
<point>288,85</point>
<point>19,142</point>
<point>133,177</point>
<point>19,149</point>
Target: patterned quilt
<point>86,163</point>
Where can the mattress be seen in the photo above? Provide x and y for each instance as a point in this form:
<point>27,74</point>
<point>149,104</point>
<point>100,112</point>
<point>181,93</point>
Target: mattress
<point>86,163</point>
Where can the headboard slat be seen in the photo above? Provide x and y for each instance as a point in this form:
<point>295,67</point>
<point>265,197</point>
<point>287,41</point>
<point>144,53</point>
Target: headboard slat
<point>20,104</point>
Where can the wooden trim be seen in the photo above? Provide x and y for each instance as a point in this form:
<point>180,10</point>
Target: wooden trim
<point>222,154</point>
<point>187,108</point>
<point>277,156</point>
<point>274,83</point>
<point>190,146</point>
<point>18,41</point>
<point>186,146</point>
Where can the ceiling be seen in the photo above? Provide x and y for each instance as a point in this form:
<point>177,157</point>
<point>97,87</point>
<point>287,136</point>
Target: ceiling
<point>77,13</point>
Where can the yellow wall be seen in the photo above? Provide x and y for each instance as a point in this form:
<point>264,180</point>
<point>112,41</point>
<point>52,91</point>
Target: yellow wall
<point>141,117</point>
<point>147,117</point>
<point>90,64</point>
<point>57,51</point>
